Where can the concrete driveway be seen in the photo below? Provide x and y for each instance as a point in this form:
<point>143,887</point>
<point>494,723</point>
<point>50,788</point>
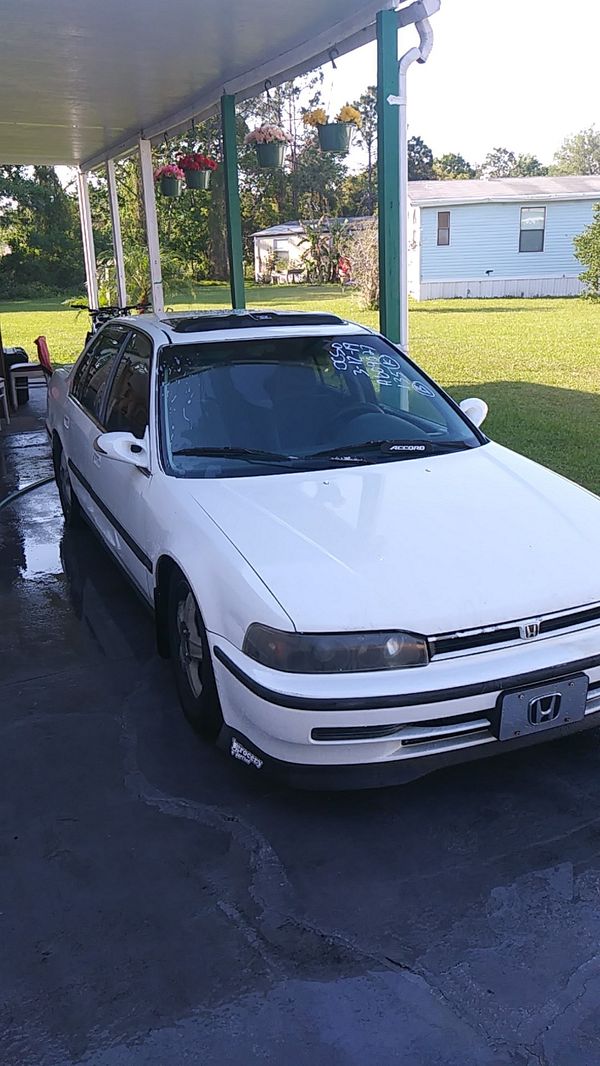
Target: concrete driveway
<point>161,905</point>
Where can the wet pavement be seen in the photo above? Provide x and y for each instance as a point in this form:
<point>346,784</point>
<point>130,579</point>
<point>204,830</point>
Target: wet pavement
<point>161,905</point>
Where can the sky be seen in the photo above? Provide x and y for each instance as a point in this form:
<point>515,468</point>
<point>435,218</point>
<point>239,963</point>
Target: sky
<point>519,74</point>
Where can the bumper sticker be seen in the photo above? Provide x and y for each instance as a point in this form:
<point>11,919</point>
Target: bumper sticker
<point>240,752</point>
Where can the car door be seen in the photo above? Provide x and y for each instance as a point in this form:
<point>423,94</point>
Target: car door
<point>83,410</point>
<point>122,488</point>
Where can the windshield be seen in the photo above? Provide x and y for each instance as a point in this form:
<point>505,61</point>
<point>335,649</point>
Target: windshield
<point>245,407</point>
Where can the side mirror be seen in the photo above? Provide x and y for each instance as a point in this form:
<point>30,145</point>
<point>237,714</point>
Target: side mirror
<point>475,410</point>
<point>123,447</point>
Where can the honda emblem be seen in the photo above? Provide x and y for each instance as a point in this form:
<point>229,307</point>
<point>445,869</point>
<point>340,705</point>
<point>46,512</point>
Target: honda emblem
<point>544,709</point>
<point>529,630</point>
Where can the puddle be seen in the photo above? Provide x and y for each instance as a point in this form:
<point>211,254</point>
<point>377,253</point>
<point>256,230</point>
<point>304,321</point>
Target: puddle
<point>40,559</point>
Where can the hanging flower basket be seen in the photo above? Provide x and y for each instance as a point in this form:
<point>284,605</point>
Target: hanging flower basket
<point>197,169</point>
<point>270,143</point>
<point>270,156</point>
<point>334,136</point>
<point>170,186</point>
<point>197,179</point>
<point>170,178</point>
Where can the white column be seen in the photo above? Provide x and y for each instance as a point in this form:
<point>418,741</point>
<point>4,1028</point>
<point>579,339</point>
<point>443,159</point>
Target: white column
<point>158,300</point>
<point>116,233</point>
<point>87,237</point>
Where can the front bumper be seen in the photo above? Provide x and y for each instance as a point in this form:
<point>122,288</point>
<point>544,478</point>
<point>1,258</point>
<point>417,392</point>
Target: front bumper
<point>352,731</point>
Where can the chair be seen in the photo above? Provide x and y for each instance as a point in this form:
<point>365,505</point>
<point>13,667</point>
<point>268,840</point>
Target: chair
<point>41,374</point>
<point>4,401</point>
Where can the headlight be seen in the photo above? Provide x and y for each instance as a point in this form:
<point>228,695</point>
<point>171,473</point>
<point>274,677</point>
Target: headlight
<point>335,653</point>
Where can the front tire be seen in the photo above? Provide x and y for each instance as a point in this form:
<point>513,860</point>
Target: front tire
<point>71,508</point>
<point>191,660</point>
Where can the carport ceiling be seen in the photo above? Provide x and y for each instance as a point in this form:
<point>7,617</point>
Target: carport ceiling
<point>82,79</point>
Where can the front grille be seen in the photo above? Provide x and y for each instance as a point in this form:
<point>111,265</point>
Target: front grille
<point>508,633</point>
<point>354,732</point>
<point>478,727</point>
<point>416,733</point>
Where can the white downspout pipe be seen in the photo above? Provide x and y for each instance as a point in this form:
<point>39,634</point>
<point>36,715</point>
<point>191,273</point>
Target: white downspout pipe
<point>117,237</point>
<point>418,54</point>
<point>156,285</point>
<point>87,237</point>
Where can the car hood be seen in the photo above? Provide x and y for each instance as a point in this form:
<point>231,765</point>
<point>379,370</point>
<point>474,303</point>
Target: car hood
<point>432,545</point>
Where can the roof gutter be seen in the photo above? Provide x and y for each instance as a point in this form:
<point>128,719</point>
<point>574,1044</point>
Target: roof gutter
<point>444,201</point>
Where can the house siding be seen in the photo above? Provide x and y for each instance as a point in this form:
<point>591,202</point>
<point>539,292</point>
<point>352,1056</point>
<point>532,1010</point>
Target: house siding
<point>485,236</point>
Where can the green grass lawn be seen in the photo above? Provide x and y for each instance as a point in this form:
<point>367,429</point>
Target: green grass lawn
<point>536,362</point>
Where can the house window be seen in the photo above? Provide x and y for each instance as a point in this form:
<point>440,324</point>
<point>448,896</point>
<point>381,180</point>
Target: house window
<point>443,232</point>
<point>533,224</point>
<point>281,248</point>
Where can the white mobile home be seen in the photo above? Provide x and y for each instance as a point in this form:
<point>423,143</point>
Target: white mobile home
<point>500,237</point>
<point>279,250</point>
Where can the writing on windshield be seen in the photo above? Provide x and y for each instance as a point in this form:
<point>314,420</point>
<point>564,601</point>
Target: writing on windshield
<point>383,369</point>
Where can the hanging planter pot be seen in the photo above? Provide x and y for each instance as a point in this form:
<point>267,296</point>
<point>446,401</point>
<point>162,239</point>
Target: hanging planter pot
<point>271,155</point>
<point>169,178</point>
<point>197,168</point>
<point>170,186</point>
<point>197,179</point>
<point>270,143</point>
<point>335,136</point>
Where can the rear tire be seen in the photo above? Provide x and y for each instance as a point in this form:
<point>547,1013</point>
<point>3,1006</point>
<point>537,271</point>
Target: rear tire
<point>71,507</point>
<point>191,659</point>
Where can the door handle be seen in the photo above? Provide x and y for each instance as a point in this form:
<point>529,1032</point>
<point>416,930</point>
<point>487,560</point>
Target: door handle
<point>66,421</point>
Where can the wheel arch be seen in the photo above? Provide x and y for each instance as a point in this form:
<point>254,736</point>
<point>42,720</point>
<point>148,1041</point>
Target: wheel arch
<point>165,568</point>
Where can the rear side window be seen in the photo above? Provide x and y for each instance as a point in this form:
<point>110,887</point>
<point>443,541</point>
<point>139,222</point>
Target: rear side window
<point>83,367</point>
<point>129,398</point>
<point>93,373</point>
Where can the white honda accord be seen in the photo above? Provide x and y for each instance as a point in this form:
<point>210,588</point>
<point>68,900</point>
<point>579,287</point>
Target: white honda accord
<point>354,585</point>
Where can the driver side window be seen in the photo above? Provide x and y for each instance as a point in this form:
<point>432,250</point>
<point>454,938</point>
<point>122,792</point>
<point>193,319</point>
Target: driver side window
<point>129,399</point>
<point>93,373</point>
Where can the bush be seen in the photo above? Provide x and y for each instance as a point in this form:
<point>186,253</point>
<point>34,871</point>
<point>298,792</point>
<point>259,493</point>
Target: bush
<point>587,250</point>
<point>363,253</point>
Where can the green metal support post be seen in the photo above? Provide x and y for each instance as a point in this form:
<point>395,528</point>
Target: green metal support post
<point>388,174</point>
<point>232,202</point>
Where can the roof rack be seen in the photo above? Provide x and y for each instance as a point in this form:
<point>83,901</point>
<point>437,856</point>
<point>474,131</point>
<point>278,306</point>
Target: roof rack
<point>201,322</point>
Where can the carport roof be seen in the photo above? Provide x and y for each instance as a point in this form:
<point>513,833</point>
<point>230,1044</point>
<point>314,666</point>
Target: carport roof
<point>81,80</point>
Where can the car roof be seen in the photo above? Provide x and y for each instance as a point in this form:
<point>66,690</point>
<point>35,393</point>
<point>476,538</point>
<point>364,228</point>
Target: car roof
<point>184,327</point>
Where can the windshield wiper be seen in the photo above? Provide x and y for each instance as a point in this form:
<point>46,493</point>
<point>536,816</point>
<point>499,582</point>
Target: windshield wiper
<point>238,453</point>
<point>399,449</point>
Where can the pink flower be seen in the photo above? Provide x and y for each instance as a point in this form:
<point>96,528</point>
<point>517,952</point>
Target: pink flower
<point>266,135</point>
<point>169,171</point>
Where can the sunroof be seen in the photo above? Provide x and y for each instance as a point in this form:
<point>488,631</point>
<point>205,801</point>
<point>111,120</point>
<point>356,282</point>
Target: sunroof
<point>211,320</point>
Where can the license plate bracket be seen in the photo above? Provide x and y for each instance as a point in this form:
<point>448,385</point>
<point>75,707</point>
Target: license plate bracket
<point>538,708</point>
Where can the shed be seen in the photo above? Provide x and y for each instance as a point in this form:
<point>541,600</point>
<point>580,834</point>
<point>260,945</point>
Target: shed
<point>287,244</point>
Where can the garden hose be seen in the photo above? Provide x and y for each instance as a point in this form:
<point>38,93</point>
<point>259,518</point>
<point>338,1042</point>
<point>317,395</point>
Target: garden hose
<point>27,488</point>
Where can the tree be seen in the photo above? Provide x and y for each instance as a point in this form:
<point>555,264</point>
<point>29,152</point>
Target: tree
<point>498,163</point>
<point>587,250</point>
<point>326,242</point>
<point>367,137</point>
<point>502,163</point>
<point>579,153</point>
<point>363,252</point>
<point>420,160</point>
<point>354,193</point>
<point>452,166</point>
<point>528,166</point>
<point>39,223</point>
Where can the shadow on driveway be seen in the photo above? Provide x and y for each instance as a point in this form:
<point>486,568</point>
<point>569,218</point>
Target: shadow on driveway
<point>160,904</point>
